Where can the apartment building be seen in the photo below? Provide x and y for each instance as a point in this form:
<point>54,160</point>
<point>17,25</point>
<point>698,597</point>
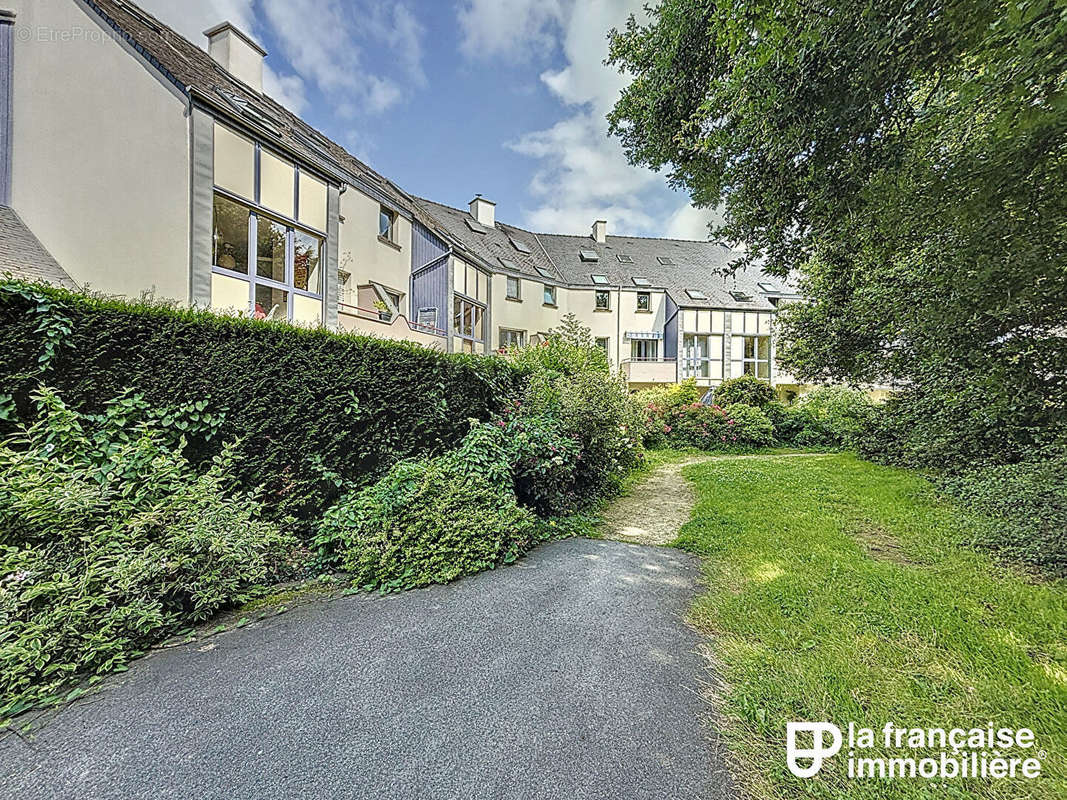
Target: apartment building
<point>133,160</point>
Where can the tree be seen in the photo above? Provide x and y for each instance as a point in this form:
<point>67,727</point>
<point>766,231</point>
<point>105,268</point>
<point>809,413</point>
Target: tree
<point>907,161</point>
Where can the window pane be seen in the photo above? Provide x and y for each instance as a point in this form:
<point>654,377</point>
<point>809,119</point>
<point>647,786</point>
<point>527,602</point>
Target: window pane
<point>271,303</point>
<point>457,317</point>
<point>643,301</point>
<point>312,202</point>
<point>550,295</point>
<point>385,223</point>
<point>750,347</point>
<point>235,158</point>
<point>230,235</point>
<point>764,370</point>
<point>229,293</point>
<point>307,310</point>
<point>476,322</point>
<point>307,260</point>
<point>276,183</point>
<point>602,299</point>
<point>764,345</point>
<point>513,288</point>
<point>270,249</point>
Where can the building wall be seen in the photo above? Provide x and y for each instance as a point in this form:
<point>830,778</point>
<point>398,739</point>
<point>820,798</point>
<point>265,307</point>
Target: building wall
<point>100,153</point>
<point>364,255</point>
<point>530,314</point>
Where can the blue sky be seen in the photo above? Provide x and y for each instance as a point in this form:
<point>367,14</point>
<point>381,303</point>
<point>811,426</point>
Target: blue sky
<point>502,97</point>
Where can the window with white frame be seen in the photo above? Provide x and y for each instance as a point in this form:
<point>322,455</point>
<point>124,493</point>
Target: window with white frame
<point>467,320</point>
<point>387,224</point>
<point>550,295</point>
<point>514,288</point>
<point>603,300</point>
<point>511,338</point>
<point>644,349</point>
<point>750,344</point>
<point>644,301</point>
<point>702,355</point>
<point>268,253</point>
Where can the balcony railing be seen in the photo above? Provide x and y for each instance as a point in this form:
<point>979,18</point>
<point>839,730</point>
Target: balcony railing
<point>650,370</point>
<point>387,319</point>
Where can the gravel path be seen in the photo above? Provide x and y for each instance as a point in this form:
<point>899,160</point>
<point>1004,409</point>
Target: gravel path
<point>653,511</point>
<point>570,674</point>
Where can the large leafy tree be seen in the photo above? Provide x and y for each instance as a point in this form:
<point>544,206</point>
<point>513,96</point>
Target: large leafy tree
<point>908,160</point>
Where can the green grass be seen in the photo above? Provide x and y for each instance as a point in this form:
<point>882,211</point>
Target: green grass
<point>842,591</point>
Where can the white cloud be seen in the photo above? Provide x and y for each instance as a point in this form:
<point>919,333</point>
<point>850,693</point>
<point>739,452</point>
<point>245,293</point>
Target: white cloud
<point>689,222</point>
<point>516,30</point>
<point>583,173</point>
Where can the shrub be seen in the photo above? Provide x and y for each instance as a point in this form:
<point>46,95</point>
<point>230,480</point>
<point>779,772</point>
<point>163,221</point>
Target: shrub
<point>427,522</point>
<point>747,389</point>
<point>750,425</point>
<point>1029,503</point>
<point>109,540</point>
<point>568,382</point>
<point>311,410</point>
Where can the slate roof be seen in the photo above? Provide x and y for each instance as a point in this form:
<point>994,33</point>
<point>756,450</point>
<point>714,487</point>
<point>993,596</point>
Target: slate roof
<point>190,67</point>
<point>495,243</point>
<point>695,265</point>
<point>24,256</point>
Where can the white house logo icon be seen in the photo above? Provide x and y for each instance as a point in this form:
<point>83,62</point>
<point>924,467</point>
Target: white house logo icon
<point>818,750</point>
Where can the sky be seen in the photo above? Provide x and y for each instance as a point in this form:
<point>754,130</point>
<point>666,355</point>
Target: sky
<point>449,98</point>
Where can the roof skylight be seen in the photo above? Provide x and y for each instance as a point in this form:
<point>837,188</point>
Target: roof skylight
<point>507,263</point>
<point>588,255</point>
<point>520,245</point>
<point>696,294</point>
<point>474,226</point>
<point>666,261</point>
<point>544,273</point>
<point>642,282</point>
<point>625,259</point>
<point>767,287</point>
<point>600,280</point>
<point>741,297</point>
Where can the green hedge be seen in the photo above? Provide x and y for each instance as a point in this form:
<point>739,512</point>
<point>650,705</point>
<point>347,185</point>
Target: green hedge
<point>313,410</point>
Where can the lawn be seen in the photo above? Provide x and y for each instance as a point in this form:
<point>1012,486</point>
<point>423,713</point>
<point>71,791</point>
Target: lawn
<point>842,591</point>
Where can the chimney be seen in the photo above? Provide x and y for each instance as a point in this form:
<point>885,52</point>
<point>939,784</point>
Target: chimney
<point>484,211</point>
<point>236,53</point>
<point>600,231</point>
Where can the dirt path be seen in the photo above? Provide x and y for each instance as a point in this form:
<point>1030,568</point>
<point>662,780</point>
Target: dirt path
<point>656,508</point>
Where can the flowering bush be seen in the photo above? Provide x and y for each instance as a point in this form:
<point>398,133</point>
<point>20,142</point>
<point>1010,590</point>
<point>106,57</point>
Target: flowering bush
<point>708,427</point>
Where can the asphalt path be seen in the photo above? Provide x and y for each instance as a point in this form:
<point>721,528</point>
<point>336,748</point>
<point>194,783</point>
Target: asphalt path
<point>570,674</point>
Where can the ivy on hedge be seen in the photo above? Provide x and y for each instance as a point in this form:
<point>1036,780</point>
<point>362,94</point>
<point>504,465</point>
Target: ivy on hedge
<point>311,409</point>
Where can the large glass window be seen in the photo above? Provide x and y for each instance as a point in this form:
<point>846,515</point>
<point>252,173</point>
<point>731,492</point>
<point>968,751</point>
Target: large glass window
<point>702,356</point>
<point>286,283</point>
<point>229,241</point>
<point>467,319</point>
<point>751,355</point>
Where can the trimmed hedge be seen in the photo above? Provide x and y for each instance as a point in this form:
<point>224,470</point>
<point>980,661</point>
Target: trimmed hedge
<point>312,410</point>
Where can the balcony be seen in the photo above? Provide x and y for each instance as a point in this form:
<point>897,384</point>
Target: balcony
<point>652,370</point>
<point>354,319</point>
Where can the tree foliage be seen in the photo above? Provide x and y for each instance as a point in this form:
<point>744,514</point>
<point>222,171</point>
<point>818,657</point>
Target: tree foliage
<point>908,160</point>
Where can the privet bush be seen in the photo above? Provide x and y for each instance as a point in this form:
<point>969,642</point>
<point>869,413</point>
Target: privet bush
<point>109,540</point>
<point>311,410</point>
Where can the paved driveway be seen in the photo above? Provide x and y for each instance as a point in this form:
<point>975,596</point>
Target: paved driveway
<point>567,675</point>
